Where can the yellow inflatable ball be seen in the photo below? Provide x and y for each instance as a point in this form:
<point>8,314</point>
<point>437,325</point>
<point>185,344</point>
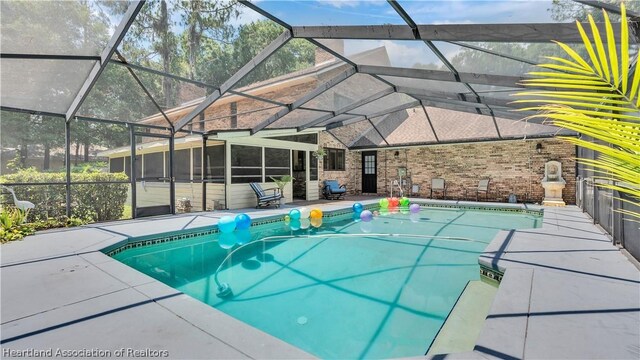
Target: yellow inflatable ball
<point>316,222</point>
<point>316,214</point>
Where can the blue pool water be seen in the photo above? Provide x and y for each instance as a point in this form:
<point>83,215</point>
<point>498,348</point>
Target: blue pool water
<point>344,290</point>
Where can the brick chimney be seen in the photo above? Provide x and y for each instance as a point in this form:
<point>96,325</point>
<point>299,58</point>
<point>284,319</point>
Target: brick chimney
<point>336,45</point>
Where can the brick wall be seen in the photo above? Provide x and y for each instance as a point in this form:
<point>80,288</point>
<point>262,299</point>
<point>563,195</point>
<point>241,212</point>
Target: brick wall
<point>513,166</point>
<point>326,140</point>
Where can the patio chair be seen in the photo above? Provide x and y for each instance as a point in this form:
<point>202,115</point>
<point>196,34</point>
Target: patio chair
<point>265,199</point>
<point>483,187</point>
<point>438,185</point>
<point>331,190</point>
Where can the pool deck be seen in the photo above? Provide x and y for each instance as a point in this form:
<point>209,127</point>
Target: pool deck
<point>567,292</point>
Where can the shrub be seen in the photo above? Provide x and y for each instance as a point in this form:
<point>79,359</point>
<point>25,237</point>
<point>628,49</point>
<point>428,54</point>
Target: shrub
<point>89,201</point>
<point>12,225</point>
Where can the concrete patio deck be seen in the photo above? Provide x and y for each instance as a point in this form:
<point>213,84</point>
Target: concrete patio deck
<point>567,292</point>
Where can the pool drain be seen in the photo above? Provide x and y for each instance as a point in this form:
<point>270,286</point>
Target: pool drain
<point>302,320</point>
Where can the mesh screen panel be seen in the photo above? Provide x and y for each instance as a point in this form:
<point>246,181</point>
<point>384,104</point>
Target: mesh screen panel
<point>42,85</point>
<point>58,27</point>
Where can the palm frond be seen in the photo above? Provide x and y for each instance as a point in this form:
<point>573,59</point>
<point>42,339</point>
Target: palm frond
<point>596,98</point>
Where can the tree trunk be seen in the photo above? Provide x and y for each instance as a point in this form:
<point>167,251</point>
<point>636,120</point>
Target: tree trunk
<point>47,157</point>
<point>86,151</point>
<point>163,29</point>
<point>24,153</point>
<point>75,160</point>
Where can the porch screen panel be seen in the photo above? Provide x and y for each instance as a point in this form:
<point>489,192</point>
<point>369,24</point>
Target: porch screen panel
<point>116,165</point>
<point>197,163</point>
<point>182,159</point>
<point>277,162</point>
<point>214,161</point>
<point>246,164</point>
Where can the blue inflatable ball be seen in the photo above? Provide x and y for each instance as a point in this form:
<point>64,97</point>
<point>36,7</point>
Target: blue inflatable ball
<point>357,207</point>
<point>227,240</point>
<point>295,225</point>
<point>243,236</point>
<point>356,217</point>
<point>294,214</point>
<point>227,224</point>
<point>243,221</point>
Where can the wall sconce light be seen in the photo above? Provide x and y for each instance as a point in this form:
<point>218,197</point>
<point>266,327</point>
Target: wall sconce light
<point>396,154</point>
<point>539,148</point>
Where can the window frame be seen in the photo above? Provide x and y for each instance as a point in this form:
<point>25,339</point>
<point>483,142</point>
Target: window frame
<point>326,163</point>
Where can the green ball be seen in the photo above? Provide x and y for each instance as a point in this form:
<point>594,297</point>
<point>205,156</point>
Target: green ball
<point>384,203</point>
<point>404,202</point>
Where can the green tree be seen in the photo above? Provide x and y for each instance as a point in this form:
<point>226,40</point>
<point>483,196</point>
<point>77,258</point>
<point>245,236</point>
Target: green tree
<point>297,54</point>
<point>204,20</point>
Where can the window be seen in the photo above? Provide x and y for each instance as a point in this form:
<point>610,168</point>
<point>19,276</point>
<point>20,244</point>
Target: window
<point>214,162</point>
<point>334,160</point>
<point>370,165</point>
<point>313,168</point>
<point>246,164</point>
<point>276,163</point>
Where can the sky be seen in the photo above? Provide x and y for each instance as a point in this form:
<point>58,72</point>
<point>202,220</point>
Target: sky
<point>378,12</point>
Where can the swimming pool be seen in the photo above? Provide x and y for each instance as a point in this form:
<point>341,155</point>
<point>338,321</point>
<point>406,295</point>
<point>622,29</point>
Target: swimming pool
<point>344,290</point>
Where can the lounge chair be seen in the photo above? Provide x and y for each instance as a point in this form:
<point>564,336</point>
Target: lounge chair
<point>265,199</point>
<point>438,185</point>
<point>331,190</point>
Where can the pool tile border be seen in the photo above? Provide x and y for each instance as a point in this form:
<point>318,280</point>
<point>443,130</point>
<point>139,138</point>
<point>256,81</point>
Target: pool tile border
<point>491,274</point>
<point>136,242</point>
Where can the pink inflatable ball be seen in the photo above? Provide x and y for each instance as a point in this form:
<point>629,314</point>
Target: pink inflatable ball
<point>366,216</point>
<point>414,208</point>
<point>393,202</point>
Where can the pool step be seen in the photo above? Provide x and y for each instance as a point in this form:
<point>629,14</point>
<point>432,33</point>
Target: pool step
<point>460,332</point>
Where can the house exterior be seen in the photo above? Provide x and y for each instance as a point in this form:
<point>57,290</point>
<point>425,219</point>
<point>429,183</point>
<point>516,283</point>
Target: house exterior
<point>406,148</point>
